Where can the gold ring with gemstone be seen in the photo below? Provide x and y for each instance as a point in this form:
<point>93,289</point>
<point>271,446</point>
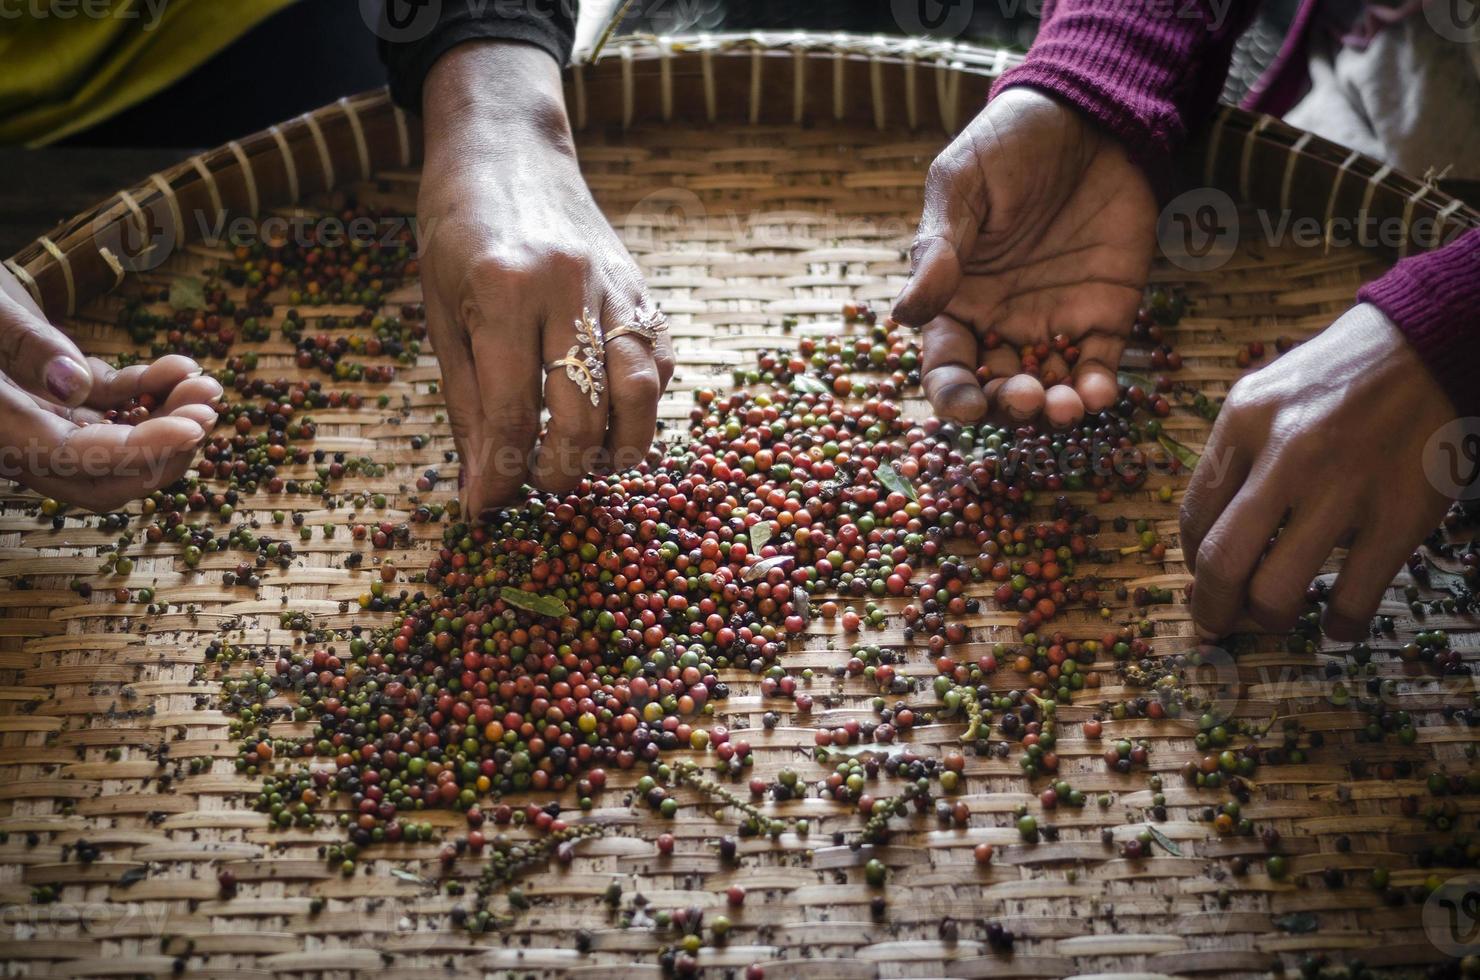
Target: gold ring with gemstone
<point>585,362</point>
<point>649,326</point>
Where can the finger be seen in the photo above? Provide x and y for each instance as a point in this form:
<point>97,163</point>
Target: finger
<point>1062,407</point>
<point>949,224</point>
<point>98,466</point>
<point>1374,559</point>
<point>1095,371</point>
<point>1277,589</point>
<point>113,387</point>
<point>459,386</point>
<point>1001,362</point>
<point>1053,370</point>
<point>1021,397</point>
<point>1220,473</point>
<point>11,288</point>
<point>636,387</point>
<point>502,390</point>
<point>35,354</point>
<point>144,458</point>
<point>574,443</point>
<point>202,392</point>
<point>663,352</point>
<point>201,414</point>
<point>948,359</point>
<point>1227,555</point>
<point>663,357</point>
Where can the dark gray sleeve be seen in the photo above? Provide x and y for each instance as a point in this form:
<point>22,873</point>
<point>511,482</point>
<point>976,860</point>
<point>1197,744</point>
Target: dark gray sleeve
<point>415,33</point>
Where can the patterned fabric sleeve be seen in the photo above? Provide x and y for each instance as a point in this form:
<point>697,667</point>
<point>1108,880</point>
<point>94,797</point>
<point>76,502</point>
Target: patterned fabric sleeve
<point>1434,299</point>
<point>1143,70</point>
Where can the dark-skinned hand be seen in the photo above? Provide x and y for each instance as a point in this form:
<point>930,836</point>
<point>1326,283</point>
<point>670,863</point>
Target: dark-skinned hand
<point>53,400</point>
<point>1326,446</point>
<point>1036,223</point>
<point>514,249</point>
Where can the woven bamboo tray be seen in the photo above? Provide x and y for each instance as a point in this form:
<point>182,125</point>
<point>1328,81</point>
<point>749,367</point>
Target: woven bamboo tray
<point>754,178</point>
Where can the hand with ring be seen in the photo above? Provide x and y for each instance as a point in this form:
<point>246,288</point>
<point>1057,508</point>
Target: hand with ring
<point>531,298</point>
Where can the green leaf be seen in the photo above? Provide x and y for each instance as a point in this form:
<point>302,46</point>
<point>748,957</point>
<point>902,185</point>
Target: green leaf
<point>1131,379</point>
<point>545,605</point>
<point>1297,922</point>
<point>760,533</point>
<point>1165,841</point>
<point>1185,456</point>
<point>808,385</point>
<point>896,483</point>
<point>188,293</point>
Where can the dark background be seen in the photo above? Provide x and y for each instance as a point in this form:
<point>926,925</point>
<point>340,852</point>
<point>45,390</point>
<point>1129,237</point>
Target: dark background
<point>318,50</point>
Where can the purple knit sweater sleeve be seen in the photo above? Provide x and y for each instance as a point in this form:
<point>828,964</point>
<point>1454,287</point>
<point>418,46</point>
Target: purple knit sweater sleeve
<point>1434,299</point>
<point>1142,69</point>
<point>1145,70</point>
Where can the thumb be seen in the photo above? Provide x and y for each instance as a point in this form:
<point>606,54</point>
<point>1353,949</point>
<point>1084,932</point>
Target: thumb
<point>949,227</point>
<point>36,355</point>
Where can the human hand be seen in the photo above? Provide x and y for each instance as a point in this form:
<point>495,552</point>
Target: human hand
<point>54,401</point>
<point>1036,223</point>
<point>514,249</point>
<point>1329,439</point>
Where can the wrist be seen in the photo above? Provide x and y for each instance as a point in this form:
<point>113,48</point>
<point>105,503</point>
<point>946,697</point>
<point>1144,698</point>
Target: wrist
<point>505,91</point>
<point>1399,362</point>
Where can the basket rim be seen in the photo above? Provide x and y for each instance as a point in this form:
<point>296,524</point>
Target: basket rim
<point>366,134</point>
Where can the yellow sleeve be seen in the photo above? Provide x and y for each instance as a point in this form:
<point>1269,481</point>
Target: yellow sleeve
<point>70,64</point>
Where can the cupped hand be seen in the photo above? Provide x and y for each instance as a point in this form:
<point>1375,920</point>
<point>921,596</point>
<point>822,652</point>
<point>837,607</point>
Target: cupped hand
<point>1036,224</point>
<point>55,401</point>
<point>513,251</point>
<point>1325,446</point>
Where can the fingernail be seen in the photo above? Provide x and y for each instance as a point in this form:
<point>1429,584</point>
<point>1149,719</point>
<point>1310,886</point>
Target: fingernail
<point>197,440</point>
<point>66,379</point>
